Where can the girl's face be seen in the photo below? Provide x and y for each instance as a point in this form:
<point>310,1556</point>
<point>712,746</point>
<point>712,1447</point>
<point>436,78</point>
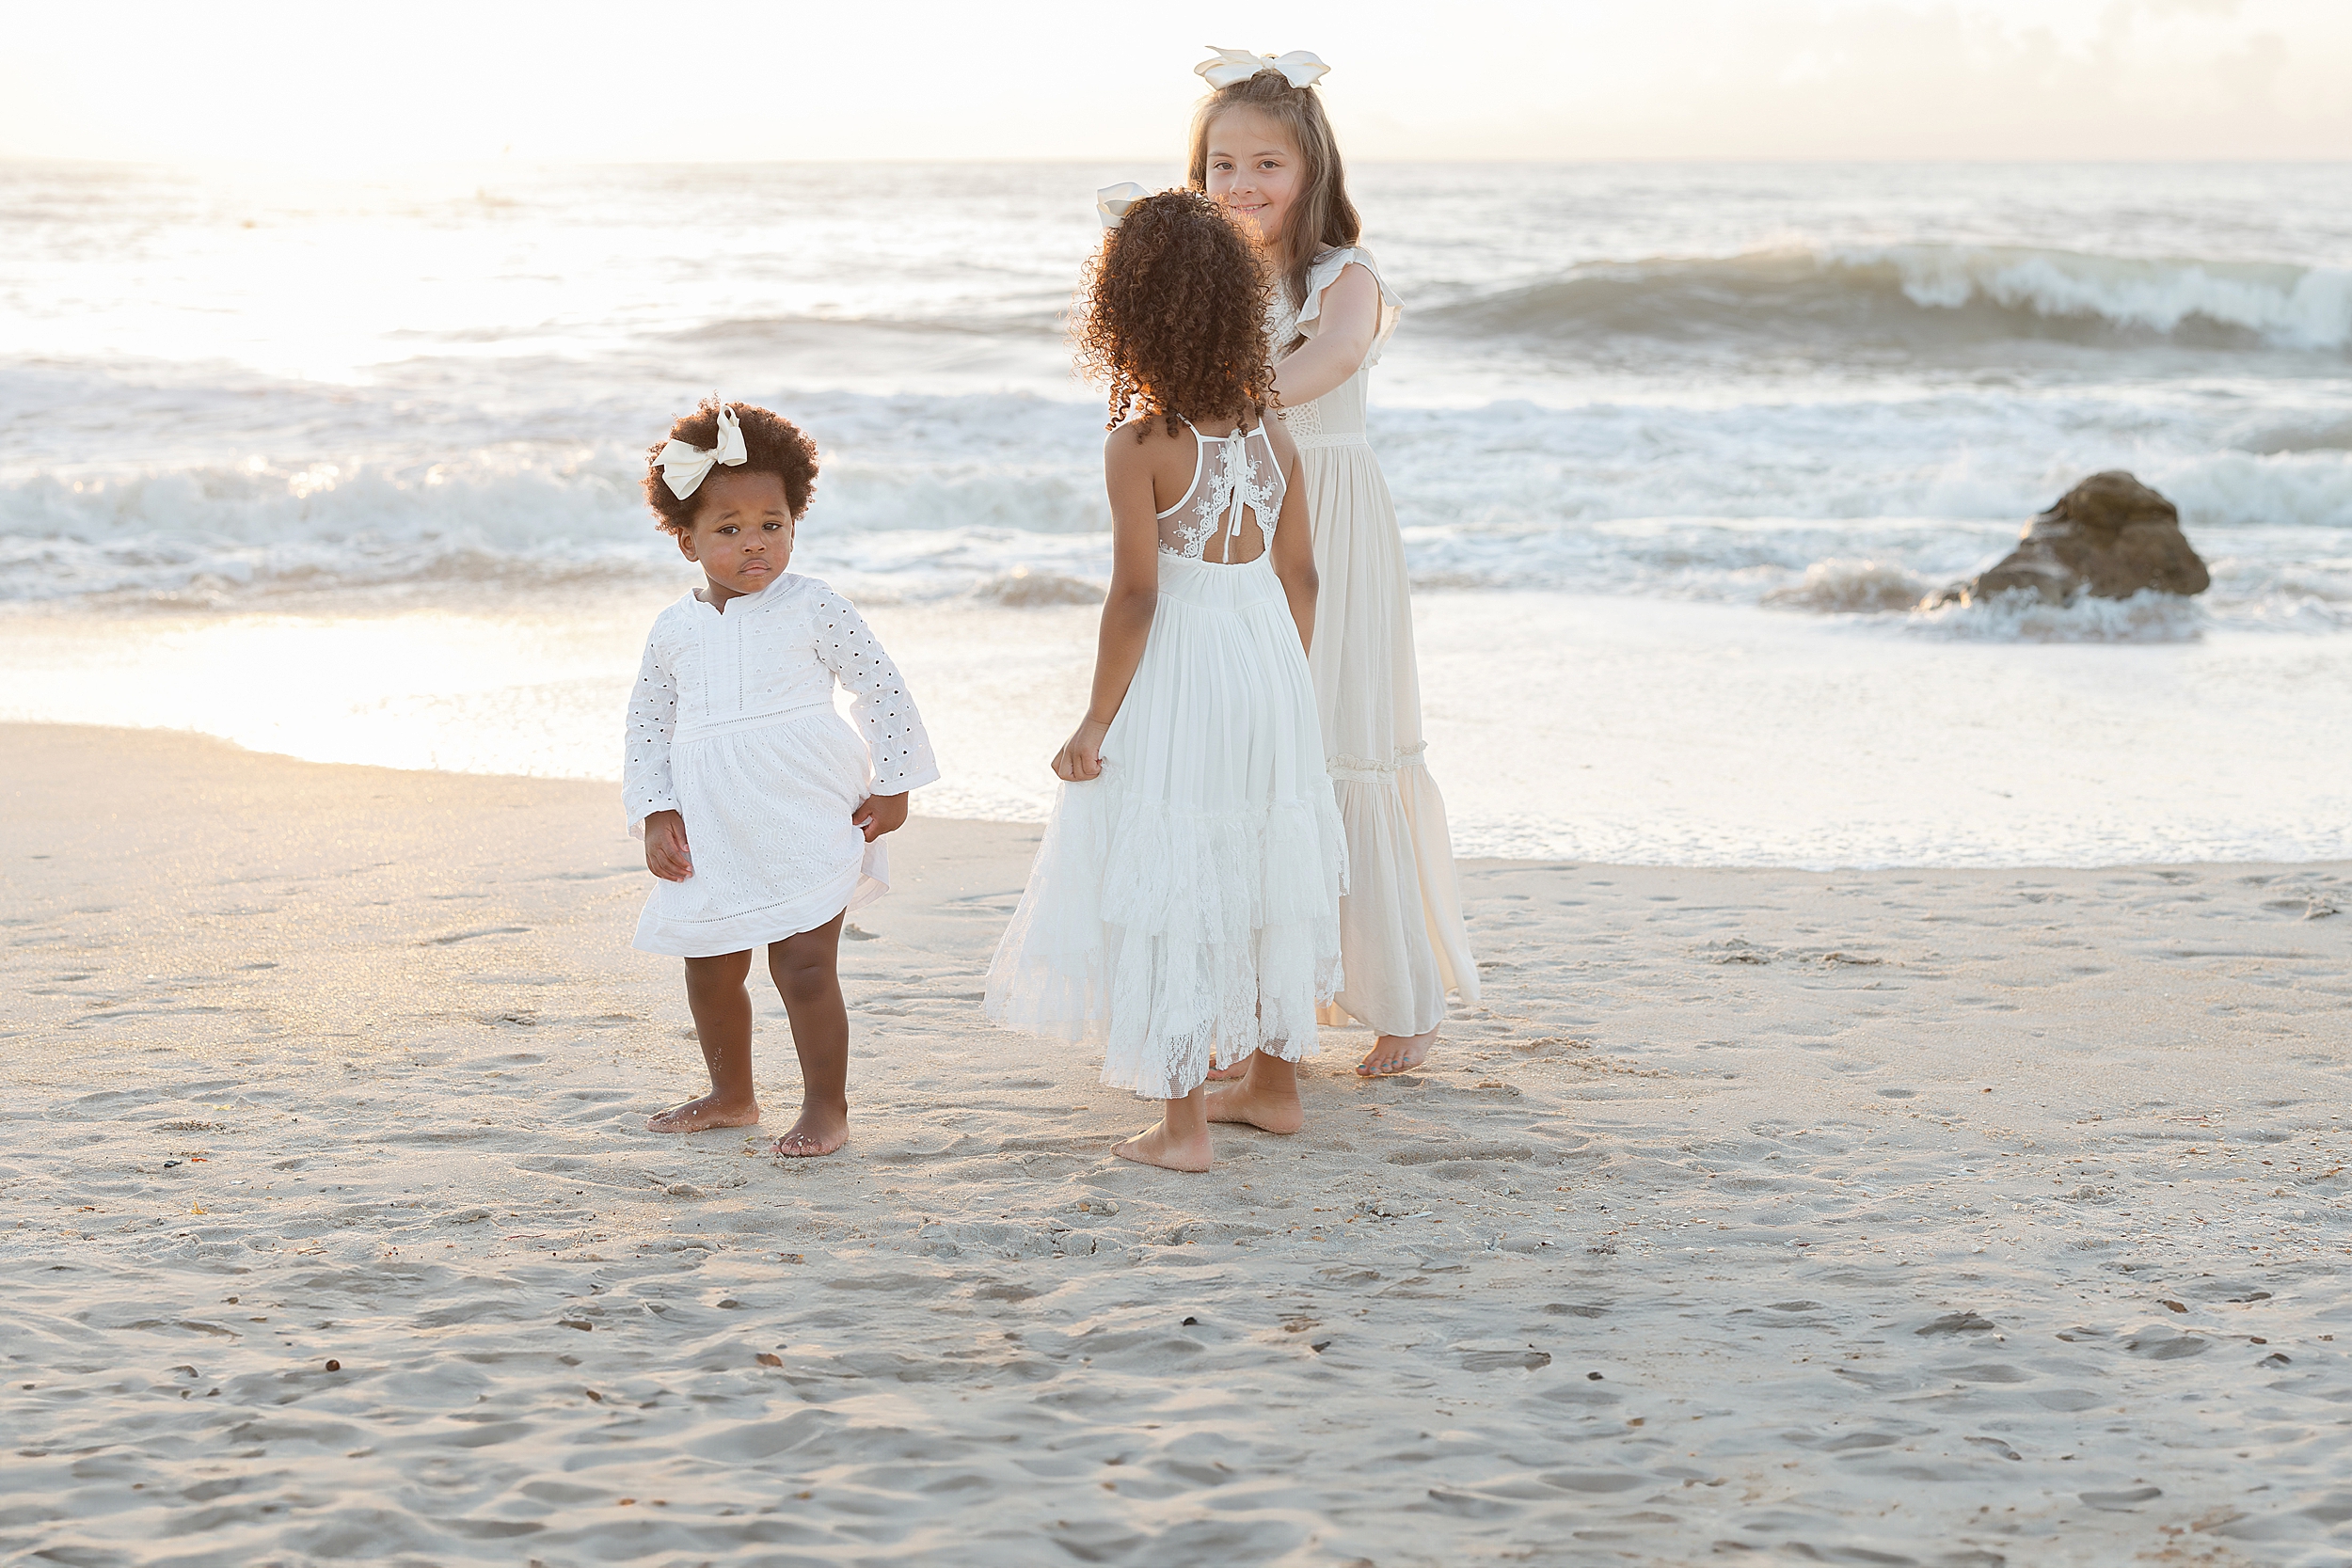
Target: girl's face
<point>742,532</point>
<point>1255,170</point>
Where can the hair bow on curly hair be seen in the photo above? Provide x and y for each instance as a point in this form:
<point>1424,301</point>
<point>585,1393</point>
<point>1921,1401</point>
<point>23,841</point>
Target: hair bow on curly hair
<point>1112,201</point>
<point>685,467</point>
<point>1298,68</point>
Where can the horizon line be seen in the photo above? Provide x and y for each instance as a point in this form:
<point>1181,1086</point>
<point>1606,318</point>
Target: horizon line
<point>1814,160</point>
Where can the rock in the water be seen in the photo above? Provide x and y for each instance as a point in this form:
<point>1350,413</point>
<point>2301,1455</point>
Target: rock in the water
<point>2110,537</point>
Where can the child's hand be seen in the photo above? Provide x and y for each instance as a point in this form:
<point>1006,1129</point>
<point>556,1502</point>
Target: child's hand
<point>1081,758</point>
<point>878,815</point>
<point>666,855</point>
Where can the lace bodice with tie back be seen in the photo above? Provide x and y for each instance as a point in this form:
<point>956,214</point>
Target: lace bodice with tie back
<point>1235,480</point>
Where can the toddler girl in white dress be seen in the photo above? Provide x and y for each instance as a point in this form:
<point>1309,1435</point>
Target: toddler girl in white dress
<point>761,811</point>
<point>1183,907</point>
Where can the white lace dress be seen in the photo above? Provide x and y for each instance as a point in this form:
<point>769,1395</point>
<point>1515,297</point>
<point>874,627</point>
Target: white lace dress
<point>1183,907</point>
<point>1400,924</point>
<point>732,726</point>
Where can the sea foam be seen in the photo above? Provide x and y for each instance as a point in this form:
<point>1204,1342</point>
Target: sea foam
<point>1751,516</point>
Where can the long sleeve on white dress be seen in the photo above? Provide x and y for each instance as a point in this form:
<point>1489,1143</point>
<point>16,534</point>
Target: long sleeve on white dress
<point>646,782</point>
<point>885,714</point>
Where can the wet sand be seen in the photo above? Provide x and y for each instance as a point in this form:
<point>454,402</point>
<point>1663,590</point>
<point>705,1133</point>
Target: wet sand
<point>1953,1217</point>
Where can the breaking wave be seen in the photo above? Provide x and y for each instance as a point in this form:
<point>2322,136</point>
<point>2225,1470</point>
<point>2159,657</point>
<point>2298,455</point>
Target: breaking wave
<point>1928,297</point>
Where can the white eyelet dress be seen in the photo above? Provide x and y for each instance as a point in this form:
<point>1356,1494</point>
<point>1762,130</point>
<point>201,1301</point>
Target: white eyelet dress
<point>732,726</point>
<point>1401,924</point>
<point>1183,907</point>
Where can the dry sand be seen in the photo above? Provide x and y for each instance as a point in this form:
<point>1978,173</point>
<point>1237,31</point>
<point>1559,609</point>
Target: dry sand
<point>1940,1217</point>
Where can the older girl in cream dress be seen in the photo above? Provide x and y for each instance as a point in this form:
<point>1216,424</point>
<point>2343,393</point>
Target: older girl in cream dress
<point>1261,146</point>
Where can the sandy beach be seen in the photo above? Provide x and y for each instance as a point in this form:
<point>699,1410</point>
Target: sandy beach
<point>1953,1217</point>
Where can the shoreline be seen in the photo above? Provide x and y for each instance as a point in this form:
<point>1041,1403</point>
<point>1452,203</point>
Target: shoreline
<point>1913,1213</point>
<point>1640,734</point>
<point>2329,865</point>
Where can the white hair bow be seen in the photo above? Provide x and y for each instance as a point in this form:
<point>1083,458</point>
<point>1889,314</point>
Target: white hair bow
<point>1112,201</point>
<point>684,467</point>
<point>1298,68</point>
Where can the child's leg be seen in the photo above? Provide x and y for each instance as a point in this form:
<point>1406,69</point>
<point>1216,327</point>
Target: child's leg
<point>806,978</point>
<point>722,1021</point>
<point>1267,1097</point>
<point>1180,1142</point>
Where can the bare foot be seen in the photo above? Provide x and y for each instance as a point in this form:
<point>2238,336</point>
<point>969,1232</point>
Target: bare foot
<point>1394,1053</point>
<point>701,1116</point>
<point>1267,1108</point>
<point>818,1132</point>
<point>1232,1071</point>
<point>1158,1146</point>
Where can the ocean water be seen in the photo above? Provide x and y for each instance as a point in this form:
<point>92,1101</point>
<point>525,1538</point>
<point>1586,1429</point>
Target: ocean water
<point>350,470</point>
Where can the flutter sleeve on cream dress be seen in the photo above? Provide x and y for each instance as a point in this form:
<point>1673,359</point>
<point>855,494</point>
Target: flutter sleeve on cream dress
<point>1400,930</point>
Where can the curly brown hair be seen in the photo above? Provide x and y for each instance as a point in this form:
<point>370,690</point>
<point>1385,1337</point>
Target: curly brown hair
<point>771,444</point>
<point>1322,218</point>
<point>1174,316</point>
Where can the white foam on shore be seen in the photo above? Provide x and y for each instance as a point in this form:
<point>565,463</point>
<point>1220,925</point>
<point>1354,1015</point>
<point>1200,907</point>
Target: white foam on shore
<point>1505,498</point>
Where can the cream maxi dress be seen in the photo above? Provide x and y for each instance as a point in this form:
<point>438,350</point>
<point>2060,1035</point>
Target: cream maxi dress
<point>1401,923</point>
<point>1183,909</point>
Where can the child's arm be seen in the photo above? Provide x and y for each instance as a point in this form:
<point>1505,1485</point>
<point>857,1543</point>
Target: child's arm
<point>1348,322</point>
<point>894,737</point>
<point>646,785</point>
<point>1127,612</point>
<point>1294,550</point>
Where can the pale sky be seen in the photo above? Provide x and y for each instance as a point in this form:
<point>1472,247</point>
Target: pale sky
<point>337,85</point>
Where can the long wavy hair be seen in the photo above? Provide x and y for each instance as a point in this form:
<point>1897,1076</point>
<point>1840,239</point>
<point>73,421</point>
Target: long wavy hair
<point>1173,315</point>
<point>1322,218</point>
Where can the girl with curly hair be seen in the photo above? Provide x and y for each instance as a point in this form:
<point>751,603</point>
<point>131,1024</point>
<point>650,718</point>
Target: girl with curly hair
<point>761,810</point>
<point>1263,150</point>
<point>1183,911</point>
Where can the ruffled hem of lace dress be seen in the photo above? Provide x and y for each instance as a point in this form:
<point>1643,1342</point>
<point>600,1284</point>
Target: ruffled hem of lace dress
<point>1176,941</point>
